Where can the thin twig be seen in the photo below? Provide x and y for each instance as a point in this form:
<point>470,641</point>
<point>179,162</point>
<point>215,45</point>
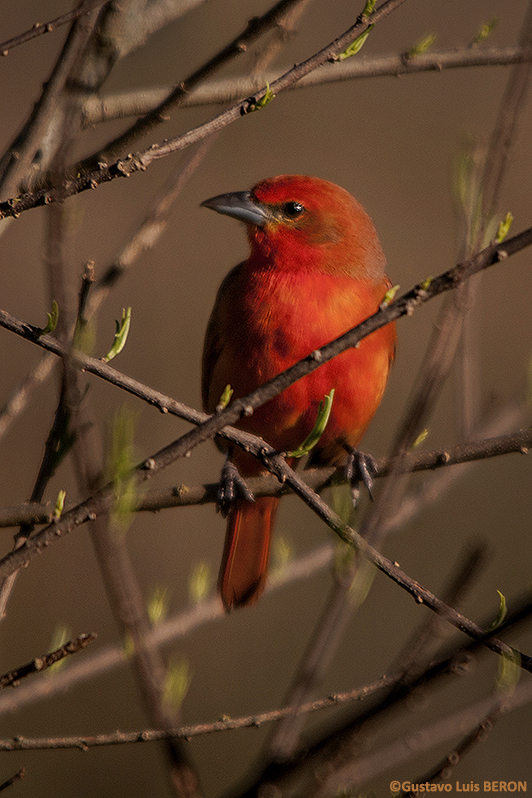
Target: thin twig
<point>20,397</point>
<point>443,770</point>
<point>148,232</point>
<point>39,664</point>
<point>16,777</point>
<point>504,133</point>
<point>47,27</point>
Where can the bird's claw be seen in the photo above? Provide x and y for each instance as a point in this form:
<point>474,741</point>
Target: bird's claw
<point>360,467</point>
<point>231,485</point>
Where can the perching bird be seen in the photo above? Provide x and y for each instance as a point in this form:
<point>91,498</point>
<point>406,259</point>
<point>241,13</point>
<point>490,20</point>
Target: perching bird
<point>315,270</point>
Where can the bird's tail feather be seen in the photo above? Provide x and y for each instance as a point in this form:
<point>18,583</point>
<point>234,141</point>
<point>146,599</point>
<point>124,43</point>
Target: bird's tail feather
<point>246,552</point>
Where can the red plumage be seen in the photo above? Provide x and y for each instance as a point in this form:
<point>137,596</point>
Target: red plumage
<point>316,269</point>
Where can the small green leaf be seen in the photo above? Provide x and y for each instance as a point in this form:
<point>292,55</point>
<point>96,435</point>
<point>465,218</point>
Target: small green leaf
<point>368,8</point>
<point>256,105</point>
<point>268,97</point>
<point>59,504</point>
<point>84,336</point>
<point>282,554</point>
<point>486,29</point>
<point>122,331</point>
<point>509,672</point>
<point>504,227</point>
<point>420,438</point>
<point>356,46</point>
<point>426,282</point>
<point>52,320</point>
<point>178,678</point>
<point>467,191</point>
<point>501,615</point>
<point>225,398</point>
<point>389,296</point>
<point>119,469</point>
<point>200,582</point>
<point>421,47</point>
<point>158,605</point>
<point>60,636</point>
<point>324,411</point>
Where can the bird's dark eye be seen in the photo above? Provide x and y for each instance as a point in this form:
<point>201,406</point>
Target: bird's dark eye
<point>293,209</point>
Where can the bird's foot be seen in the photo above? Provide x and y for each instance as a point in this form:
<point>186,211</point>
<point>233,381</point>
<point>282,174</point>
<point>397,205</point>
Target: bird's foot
<point>360,467</point>
<point>231,485</point>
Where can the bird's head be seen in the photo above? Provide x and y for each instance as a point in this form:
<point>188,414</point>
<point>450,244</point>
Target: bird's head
<point>300,222</point>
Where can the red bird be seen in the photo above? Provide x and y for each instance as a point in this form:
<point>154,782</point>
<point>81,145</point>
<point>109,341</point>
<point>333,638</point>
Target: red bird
<point>316,269</point>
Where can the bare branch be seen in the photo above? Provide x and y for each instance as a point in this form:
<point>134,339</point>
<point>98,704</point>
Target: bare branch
<point>315,478</point>
<point>444,769</point>
<point>21,395</point>
<point>47,27</point>
<point>118,106</point>
<point>16,777</point>
<point>40,664</point>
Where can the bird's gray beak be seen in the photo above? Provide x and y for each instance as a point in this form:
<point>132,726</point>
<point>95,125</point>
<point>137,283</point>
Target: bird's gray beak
<point>240,205</point>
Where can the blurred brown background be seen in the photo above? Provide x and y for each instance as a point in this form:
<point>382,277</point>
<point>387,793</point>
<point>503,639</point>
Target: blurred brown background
<point>391,142</point>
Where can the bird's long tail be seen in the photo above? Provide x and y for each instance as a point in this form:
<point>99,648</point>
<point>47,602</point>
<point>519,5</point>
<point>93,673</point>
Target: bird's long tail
<point>246,551</point>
